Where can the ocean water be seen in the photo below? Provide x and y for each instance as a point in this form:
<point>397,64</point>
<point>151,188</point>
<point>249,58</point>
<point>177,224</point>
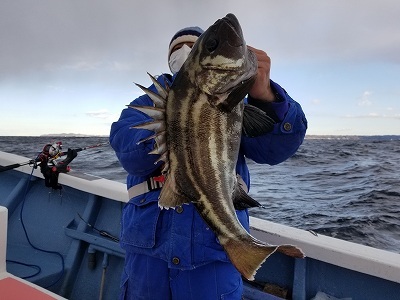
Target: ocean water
<point>347,187</point>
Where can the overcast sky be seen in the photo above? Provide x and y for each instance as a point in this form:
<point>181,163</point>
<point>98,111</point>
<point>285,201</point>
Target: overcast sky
<point>68,66</point>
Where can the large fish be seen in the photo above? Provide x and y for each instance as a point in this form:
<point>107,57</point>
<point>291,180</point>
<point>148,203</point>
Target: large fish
<point>197,124</point>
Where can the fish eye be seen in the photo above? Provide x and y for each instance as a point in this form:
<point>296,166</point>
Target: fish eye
<point>211,44</point>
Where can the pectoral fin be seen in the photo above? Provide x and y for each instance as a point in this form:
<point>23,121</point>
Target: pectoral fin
<point>227,104</point>
<point>256,122</point>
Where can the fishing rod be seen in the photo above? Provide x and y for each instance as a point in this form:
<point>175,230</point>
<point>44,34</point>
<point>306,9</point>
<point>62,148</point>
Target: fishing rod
<point>13,166</point>
<point>91,147</point>
<point>81,149</point>
<point>33,161</point>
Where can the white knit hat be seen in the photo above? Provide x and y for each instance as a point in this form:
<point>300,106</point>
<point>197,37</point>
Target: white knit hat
<point>185,35</point>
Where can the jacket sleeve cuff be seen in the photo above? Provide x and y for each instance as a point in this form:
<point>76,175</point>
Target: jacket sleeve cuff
<point>277,109</point>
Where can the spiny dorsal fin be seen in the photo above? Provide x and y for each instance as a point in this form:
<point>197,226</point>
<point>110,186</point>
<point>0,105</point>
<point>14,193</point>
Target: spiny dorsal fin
<point>167,85</point>
<point>160,89</point>
<point>156,126</point>
<point>163,158</point>
<point>159,149</point>
<point>153,112</point>
<point>159,137</point>
<point>157,99</point>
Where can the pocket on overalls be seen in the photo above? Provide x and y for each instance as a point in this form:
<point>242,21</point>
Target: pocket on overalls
<point>139,222</point>
<point>236,293</point>
<point>123,286</point>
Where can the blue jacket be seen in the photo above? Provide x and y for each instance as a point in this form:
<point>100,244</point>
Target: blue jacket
<point>182,238</point>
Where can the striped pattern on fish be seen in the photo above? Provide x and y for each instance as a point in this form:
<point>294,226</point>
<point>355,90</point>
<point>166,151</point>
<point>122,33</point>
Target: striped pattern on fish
<point>198,123</point>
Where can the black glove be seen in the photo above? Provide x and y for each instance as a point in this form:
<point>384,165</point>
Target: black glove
<point>71,154</point>
<point>33,163</point>
<point>62,166</point>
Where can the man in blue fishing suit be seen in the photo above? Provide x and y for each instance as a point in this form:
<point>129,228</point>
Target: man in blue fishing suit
<point>173,254</point>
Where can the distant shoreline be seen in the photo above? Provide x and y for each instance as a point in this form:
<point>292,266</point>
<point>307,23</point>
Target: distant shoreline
<point>308,137</point>
<point>352,137</point>
<point>71,135</point>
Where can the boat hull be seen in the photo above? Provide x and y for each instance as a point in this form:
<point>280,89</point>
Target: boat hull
<point>92,262</point>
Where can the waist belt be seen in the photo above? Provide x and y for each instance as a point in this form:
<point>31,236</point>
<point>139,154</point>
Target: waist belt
<point>157,182</point>
<point>151,184</point>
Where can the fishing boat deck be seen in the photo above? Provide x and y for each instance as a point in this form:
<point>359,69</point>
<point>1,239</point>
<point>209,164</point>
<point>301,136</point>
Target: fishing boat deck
<point>91,264</point>
<point>12,287</point>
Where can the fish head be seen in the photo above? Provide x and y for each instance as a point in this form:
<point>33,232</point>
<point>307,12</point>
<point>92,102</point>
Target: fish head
<point>221,65</point>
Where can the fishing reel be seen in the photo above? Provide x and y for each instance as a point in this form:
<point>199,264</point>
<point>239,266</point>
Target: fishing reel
<point>54,150</point>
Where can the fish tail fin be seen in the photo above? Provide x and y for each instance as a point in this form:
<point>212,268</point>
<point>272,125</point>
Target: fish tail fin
<point>248,257</point>
<point>291,250</point>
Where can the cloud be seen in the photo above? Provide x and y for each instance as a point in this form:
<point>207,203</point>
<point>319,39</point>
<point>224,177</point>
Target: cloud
<point>373,115</point>
<point>56,88</point>
<point>78,50</point>
<point>61,33</point>
<point>100,114</point>
<point>365,99</point>
<point>316,102</point>
<point>121,66</point>
<point>82,66</point>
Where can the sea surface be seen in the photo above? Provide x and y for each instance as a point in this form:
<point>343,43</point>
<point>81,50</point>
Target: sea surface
<point>347,187</point>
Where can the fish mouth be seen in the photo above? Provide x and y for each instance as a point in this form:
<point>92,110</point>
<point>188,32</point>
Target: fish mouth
<point>227,38</point>
<point>224,60</point>
<point>233,22</point>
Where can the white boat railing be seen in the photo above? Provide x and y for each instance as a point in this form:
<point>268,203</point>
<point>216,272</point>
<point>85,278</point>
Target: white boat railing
<point>85,182</point>
<point>364,259</point>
